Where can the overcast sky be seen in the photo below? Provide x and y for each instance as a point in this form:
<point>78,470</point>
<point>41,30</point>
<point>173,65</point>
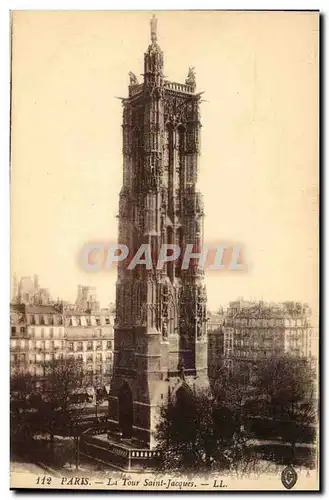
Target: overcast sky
<point>259,161</point>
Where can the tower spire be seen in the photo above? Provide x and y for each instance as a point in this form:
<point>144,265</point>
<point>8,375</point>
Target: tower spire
<point>153,59</point>
<point>153,25</point>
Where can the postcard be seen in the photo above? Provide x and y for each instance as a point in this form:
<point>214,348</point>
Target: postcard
<point>164,250</point>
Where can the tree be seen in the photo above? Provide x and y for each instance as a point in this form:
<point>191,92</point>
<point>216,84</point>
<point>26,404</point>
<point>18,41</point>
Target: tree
<point>63,399</point>
<point>289,387</point>
<point>21,409</point>
<point>232,392</point>
<point>54,408</point>
<point>234,401</point>
<point>186,435</point>
<point>195,435</point>
<point>63,379</point>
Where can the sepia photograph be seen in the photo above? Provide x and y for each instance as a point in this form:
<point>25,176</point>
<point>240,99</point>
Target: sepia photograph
<point>164,199</point>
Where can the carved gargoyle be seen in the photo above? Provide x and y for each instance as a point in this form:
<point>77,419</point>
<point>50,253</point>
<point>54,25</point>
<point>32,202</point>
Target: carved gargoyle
<point>133,78</point>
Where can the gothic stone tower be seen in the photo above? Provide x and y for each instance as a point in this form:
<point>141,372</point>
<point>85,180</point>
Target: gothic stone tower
<point>160,330</point>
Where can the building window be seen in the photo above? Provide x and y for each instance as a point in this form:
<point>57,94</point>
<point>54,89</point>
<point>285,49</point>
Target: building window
<point>99,358</point>
<point>23,329</point>
<point>99,346</point>
<point>80,346</point>
<point>89,346</point>
<point>71,346</point>
<point>13,329</point>
<point>109,344</point>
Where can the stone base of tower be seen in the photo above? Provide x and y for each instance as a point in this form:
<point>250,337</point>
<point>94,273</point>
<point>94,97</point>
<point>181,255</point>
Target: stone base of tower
<point>144,414</point>
<point>137,451</point>
<point>140,383</point>
<point>147,374</point>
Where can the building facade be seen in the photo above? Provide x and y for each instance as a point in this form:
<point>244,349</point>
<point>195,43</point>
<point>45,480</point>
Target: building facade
<point>90,339</point>
<point>42,333</point>
<point>160,330</point>
<point>40,340</point>
<point>254,331</point>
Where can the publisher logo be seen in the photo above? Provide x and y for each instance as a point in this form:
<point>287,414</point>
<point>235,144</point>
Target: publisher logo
<point>289,477</point>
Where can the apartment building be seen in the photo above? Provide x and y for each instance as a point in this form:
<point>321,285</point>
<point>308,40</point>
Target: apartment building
<point>254,331</point>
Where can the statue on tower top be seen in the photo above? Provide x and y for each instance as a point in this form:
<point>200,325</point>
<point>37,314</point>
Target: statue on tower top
<point>190,80</point>
<point>154,23</point>
<point>153,58</point>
